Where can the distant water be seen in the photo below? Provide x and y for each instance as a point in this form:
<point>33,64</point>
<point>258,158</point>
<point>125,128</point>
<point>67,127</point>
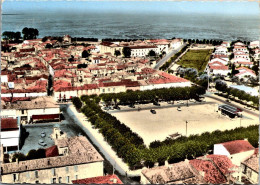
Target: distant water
<point>111,25</point>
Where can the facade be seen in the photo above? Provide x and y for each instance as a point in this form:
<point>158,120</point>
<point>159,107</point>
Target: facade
<point>10,134</point>
<point>250,168</point>
<point>142,51</point>
<point>81,161</point>
<point>41,108</point>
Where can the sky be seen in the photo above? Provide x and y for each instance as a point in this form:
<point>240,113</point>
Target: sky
<point>215,7</point>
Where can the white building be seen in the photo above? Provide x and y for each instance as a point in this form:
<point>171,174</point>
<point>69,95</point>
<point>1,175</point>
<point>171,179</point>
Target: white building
<point>142,51</point>
<point>10,134</point>
<point>237,151</point>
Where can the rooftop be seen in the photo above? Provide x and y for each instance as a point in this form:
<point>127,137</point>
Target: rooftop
<point>109,179</point>
<point>238,146</point>
<point>80,152</point>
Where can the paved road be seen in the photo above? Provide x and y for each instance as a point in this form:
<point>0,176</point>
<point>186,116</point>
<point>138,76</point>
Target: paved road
<point>148,107</point>
<point>232,104</point>
<point>168,56</point>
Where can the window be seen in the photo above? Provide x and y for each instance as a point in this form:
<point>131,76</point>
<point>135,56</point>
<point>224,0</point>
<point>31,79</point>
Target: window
<point>67,169</point>
<point>68,179</point>
<point>76,177</point>
<point>53,171</point>
<point>14,176</point>
<point>22,111</point>
<point>54,181</point>
<point>75,168</point>
<point>36,174</point>
<point>108,89</point>
<point>36,182</point>
<point>60,179</point>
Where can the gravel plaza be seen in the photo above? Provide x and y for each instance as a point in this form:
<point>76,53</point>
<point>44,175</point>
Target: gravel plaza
<point>167,121</point>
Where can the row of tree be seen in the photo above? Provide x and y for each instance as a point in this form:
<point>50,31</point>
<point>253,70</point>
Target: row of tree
<point>129,146</point>
<point>242,95</point>
<point>204,41</point>
<point>13,36</point>
<point>155,95</point>
<point>173,58</point>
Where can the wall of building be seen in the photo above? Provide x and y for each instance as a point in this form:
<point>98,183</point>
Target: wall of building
<point>168,85</point>
<point>60,174</point>
<point>242,156</point>
<point>219,149</point>
<point>24,94</point>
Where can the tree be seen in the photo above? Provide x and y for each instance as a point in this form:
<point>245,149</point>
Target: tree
<point>152,53</point>
<point>44,39</point>
<point>76,101</point>
<point>30,33</point>
<point>85,54</point>
<point>127,52</point>
<point>117,53</point>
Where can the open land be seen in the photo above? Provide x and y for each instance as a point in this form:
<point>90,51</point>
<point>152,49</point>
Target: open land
<point>167,121</point>
<point>197,59</point>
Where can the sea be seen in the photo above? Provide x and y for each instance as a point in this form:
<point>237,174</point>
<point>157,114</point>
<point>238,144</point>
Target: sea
<point>136,25</point>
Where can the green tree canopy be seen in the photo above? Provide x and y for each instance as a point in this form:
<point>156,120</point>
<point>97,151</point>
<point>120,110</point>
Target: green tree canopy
<point>127,52</point>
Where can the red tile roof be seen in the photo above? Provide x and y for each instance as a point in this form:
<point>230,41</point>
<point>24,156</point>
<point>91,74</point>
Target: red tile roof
<point>99,180</point>
<point>212,174</point>
<point>237,146</point>
<point>218,67</point>
<point>8,124</point>
<point>15,99</point>
<point>52,151</point>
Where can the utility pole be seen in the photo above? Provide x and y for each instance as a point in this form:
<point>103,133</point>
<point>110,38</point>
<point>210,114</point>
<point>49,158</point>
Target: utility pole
<point>186,128</point>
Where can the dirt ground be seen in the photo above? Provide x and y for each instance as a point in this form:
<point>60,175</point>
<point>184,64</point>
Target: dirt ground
<point>200,118</point>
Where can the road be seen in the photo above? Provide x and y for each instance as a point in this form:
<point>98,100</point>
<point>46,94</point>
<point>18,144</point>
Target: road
<point>232,104</point>
<point>168,56</point>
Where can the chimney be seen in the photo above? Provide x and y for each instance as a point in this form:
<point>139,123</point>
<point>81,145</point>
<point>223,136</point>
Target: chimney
<point>114,180</point>
<point>156,164</point>
<point>186,161</point>
<point>245,139</point>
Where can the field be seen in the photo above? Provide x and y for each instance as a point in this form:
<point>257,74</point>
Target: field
<point>200,118</point>
<point>197,59</point>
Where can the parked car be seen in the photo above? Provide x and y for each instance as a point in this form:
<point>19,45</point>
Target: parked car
<point>42,143</point>
<point>179,108</point>
<point>153,111</point>
<point>227,100</point>
<point>156,103</point>
<point>43,134</point>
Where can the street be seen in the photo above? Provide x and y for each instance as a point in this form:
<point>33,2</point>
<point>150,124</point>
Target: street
<point>168,56</point>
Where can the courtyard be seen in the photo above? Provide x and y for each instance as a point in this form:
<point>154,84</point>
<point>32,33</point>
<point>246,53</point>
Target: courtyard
<point>198,118</point>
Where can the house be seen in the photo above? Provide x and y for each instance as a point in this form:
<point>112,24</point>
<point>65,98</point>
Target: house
<point>237,151</point>
<point>176,43</point>
<point>108,179</point>
<point>221,50</point>
<point>81,161</point>
<point>221,60</point>
<point>245,72</point>
<point>242,62</point>
<point>38,109</point>
<point>10,134</point>
<point>225,44</point>
<point>217,68</point>
<point>254,44</point>
<point>250,168</point>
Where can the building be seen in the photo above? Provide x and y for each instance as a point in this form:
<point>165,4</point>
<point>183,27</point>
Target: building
<point>177,173</point>
<point>209,169</point>
<point>79,162</point>
<point>237,151</point>
<point>250,168</point>
<point>142,51</point>
<point>245,73</point>
<point>38,109</point>
<point>10,134</point>
<point>229,110</point>
<point>108,179</point>
<point>217,68</point>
